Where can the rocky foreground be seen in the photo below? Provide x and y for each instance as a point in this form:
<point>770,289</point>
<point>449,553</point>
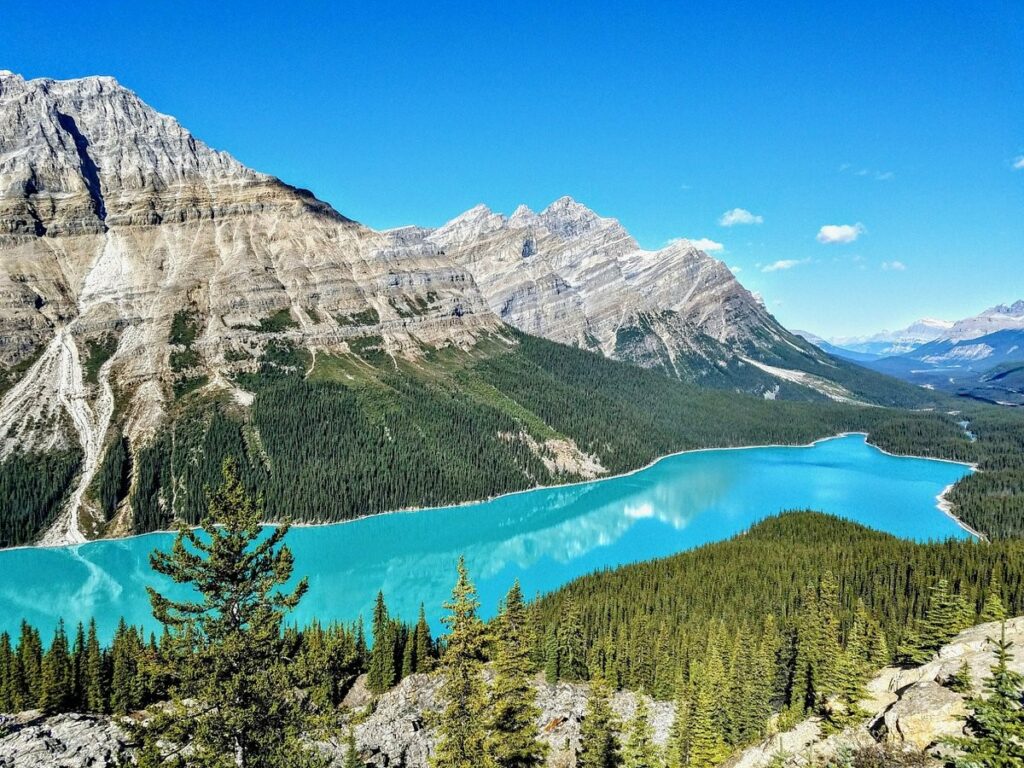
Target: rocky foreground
<point>911,710</point>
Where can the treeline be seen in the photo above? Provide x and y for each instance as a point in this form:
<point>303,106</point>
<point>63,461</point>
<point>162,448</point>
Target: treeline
<point>78,674</point>
<point>992,500</point>
<point>33,486</point>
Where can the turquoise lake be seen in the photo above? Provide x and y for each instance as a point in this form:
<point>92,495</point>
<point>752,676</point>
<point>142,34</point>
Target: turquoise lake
<point>543,537</point>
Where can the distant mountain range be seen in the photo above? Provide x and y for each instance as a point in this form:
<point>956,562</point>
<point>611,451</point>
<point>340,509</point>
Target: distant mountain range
<point>979,356</point>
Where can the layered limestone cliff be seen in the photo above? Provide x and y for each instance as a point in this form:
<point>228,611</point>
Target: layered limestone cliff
<point>581,279</point>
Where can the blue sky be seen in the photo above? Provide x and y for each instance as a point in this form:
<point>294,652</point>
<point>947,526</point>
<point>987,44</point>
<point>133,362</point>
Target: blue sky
<point>901,121</point>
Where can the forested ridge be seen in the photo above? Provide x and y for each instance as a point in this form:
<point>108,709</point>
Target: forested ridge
<point>346,436</point>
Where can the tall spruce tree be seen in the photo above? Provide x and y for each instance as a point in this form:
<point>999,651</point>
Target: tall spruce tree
<point>30,666</point>
<point>572,650</point>
<point>996,722</point>
<point>424,643</point>
<point>993,609</point>
<point>232,692</point>
<point>383,671</point>
<point>461,727</point>
<point>514,740</point>
<point>639,750</point>
<point>9,699</point>
<point>599,741</point>
<point>551,654</point>
<point>707,747</point>
<point>57,679</point>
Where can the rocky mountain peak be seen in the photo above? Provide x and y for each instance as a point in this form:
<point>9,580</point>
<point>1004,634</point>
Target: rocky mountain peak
<point>568,218</point>
<point>1012,310</point>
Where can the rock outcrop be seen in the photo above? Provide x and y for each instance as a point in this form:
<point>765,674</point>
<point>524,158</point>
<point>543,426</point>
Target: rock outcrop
<point>61,741</point>
<point>911,710</point>
<point>397,732</point>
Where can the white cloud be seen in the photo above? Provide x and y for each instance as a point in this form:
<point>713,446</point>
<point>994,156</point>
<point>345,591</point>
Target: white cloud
<point>840,233</point>
<point>1018,163</point>
<point>781,264</point>
<point>894,266</point>
<point>739,216</point>
<point>736,270</point>
<point>884,175</point>
<point>704,244</point>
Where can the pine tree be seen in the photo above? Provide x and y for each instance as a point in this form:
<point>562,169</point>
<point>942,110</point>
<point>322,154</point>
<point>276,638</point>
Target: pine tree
<point>126,685</point>
<point>996,722</point>
<point>551,654</point>
<point>829,652</point>
<point>514,740</point>
<point>383,671</point>
<point>640,751</point>
<point>993,609</point>
<point>57,683</point>
<point>572,651</point>
<point>760,689</point>
<point>960,681</point>
<point>424,643</point>
<point>78,669</point>
<point>409,655</point>
<point>945,616</point>
<point>707,746</point>
<point>352,759</point>
<point>9,695</point>
<point>599,743</point>
<point>361,652</point>
<point>231,688</point>
<point>677,753</point>
<point>461,731</point>
<point>30,666</point>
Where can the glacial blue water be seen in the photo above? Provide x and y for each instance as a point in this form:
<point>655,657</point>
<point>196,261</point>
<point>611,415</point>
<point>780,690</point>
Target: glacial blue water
<point>543,537</point>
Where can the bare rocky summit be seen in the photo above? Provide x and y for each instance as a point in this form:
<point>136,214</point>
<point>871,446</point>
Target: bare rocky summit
<point>581,279</point>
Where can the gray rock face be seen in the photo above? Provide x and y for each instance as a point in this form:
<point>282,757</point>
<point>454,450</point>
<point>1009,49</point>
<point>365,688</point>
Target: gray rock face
<point>578,278</point>
<point>62,741</point>
<point>399,731</point>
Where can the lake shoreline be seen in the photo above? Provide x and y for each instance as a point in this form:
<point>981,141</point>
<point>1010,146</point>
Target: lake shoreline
<point>942,503</point>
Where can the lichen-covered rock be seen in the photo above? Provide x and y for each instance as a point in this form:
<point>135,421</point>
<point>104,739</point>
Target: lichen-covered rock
<point>924,715</point>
